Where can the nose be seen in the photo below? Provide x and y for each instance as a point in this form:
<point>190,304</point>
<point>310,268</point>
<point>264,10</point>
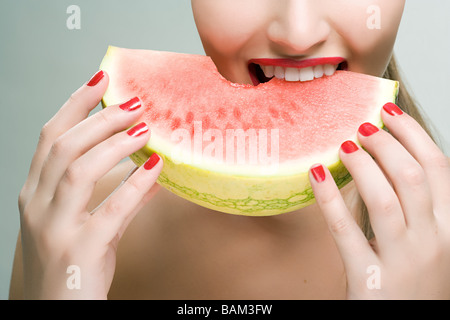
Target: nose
<point>297,27</point>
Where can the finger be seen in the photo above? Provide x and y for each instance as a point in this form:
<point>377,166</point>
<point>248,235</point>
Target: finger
<point>420,145</point>
<point>78,182</point>
<point>84,136</point>
<point>76,108</point>
<point>350,240</point>
<point>407,176</point>
<point>385,212</point>
<point>119,209</point>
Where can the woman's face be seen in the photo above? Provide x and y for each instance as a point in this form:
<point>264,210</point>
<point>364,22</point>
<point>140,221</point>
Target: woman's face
<point>283,38</point>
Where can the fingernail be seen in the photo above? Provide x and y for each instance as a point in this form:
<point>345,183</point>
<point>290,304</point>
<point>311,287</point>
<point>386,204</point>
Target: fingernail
<point>392,109</point>
<point>367,129</point>
<point>318,172</point>
<point>152,161</point>
<point>131,105</point>
<point>138,130</point>
<point>349,147</point>
<point>96,78</point>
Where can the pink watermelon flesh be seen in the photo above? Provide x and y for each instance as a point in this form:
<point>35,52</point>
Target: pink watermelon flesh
<point>179,89</point>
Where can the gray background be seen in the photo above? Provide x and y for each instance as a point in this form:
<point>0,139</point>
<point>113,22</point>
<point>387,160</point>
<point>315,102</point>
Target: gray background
<point>42,63</point>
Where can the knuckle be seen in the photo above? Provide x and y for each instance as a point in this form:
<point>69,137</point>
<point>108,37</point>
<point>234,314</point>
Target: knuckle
<point>74,97</point>
<point>102,117</point>
<point>388,205</point>
<point>58,147</point>
<point>73,174</point>
<point>133,186</point>
<point>340,226</point>
<point>115,142</point>
<point>25,219</point>
<point>28,217</point>
<point>113,207</point>
<point>45,132</point>
<point>327,198</point>
<point>23,199</point>
<point>412,174</point>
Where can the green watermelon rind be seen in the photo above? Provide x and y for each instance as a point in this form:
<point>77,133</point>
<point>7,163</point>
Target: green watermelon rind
<point>251,194</point>
<point>250,206</point>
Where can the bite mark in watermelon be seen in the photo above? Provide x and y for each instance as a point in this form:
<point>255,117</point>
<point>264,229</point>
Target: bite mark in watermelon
<point>188,102</point>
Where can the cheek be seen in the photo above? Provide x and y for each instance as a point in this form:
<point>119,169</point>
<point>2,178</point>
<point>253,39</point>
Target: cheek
<point>226,25</point>
<point>227,28</point>
<point>370,33</point>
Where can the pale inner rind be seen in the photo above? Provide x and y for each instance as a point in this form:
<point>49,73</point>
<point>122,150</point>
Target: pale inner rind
<point>243,189</point>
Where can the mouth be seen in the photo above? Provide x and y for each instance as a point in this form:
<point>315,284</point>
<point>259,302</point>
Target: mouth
<point>263,70</point>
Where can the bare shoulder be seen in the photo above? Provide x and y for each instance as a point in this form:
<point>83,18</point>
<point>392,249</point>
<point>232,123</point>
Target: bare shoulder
<point>103,188</point>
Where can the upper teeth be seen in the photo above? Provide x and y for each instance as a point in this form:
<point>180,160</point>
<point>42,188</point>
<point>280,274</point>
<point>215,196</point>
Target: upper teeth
<point>295,74</point>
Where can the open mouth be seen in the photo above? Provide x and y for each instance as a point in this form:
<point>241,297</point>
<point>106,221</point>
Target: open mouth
<point>263,72</point>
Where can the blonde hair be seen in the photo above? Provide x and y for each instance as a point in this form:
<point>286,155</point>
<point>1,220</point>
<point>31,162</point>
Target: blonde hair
<point>408,104</point>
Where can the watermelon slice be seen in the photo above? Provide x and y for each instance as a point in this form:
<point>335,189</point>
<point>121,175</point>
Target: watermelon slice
<point>239,148</point>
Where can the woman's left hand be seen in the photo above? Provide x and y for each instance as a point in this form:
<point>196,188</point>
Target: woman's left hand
<point>406,189</point>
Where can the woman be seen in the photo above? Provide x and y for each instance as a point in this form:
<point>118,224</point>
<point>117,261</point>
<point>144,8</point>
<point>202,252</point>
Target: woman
<point>171,248</point>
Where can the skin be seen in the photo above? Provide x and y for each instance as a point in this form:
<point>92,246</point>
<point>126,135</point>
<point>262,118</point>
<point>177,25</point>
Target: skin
<point>233,32</point>
<point>171,248</point>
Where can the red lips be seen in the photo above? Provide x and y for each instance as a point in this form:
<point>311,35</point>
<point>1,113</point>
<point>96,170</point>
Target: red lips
<point>291,63</point>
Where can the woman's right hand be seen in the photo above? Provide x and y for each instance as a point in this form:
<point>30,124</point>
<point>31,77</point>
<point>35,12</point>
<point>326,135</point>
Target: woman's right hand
<point>69,252</point>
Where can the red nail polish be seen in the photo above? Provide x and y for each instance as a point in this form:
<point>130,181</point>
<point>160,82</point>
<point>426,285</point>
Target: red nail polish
<point>392,109</point>
<point>318,172</point>
<point>131,105</point>
<point>367,129</point>
<point>138,130</point>
<point>96,78</point>
<point>349,147</point>
<point>152,161</point>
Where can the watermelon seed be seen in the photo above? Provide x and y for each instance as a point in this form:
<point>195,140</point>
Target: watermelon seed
<point>175,123</point>
<point>237,113</point>
<point>189,117</point>
<point>168,114</point>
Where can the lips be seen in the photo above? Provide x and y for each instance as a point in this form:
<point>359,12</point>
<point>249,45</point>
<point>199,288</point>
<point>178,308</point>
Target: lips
<point>262,70</point>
